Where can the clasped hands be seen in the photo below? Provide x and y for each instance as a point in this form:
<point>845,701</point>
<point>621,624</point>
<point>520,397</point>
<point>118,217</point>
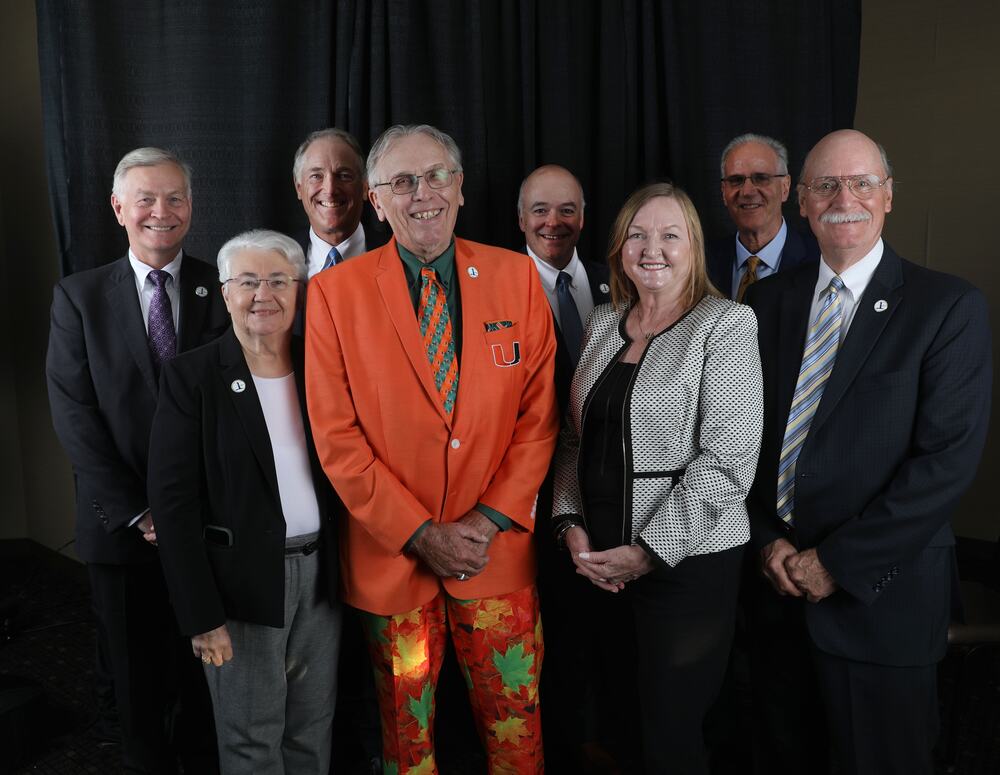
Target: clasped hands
<point>795,573</point>
<point>609,570</point>
<point>456,549</point>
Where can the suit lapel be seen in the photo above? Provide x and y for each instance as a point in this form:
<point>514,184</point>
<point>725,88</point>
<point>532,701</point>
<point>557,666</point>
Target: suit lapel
<point>124,301</point>
<point>886,284</point>
<point>247,404</point>
<point>391,281</point>
<point>193,298</point>
<point>793,323</point>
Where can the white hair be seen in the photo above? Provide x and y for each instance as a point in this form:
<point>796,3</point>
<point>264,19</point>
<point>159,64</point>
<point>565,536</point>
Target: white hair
<point>261,239</point>
<point>148,157</point>
<point>399,131</point>
<point>752,137</point>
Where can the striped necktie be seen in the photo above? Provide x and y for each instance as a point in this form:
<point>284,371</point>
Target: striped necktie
<point>435,327</point>
<point>817,362</point>
<point>332,258</point>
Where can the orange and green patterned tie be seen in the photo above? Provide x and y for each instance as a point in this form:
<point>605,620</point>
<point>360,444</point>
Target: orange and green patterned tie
<point>435,327</point>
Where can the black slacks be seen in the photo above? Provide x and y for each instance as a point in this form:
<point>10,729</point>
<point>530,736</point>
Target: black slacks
<point>841,716</point>
<point>662,648</point>
<point>164,709</point>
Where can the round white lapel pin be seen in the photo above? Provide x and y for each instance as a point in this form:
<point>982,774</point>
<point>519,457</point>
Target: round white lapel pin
<point>881,305</point>
<point>201,291</point>
<point>604,288</point>
<point>473,272</point>
<point>238,386</point>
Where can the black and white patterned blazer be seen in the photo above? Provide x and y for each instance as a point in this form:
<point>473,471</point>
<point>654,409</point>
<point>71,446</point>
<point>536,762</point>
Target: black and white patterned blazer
<point>692,428</point>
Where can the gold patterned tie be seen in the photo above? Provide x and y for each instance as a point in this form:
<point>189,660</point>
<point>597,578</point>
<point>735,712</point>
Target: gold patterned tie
<point>435,327</point>
<point>818,358</point>
<point>749,277</point>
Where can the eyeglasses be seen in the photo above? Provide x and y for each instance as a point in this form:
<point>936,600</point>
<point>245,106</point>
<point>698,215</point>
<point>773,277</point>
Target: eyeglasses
<point>249,282</point>
<point>759,179</point>
<point>862,186</point>
<point>439,177</point>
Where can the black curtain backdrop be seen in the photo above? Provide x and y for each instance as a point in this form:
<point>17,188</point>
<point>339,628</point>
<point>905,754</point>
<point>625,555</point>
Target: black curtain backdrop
<point>621,92</point>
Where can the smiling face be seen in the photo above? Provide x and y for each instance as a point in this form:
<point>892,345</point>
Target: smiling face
<point>262,312</point>
<point>332,189</point>
<point>155,209</point>
<point>657,253</point>
<point>551,214</point>
<point>756,211</point>
<point>422,221</point>
<point>845,226</point>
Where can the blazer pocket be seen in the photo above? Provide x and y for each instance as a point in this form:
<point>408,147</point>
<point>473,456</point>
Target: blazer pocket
<point>504,346</point>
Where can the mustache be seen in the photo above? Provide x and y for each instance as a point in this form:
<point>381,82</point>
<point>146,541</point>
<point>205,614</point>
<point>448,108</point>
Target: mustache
<point>858,217</point>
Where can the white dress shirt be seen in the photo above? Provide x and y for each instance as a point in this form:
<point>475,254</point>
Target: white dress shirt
<point>769,255</point>
<point>579,285</point>
<point>144,286</point>
<point>855,277</point>
<point>319,250</point>
<point>279,402</point>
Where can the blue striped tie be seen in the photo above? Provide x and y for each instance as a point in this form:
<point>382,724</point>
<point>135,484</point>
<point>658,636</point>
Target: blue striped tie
<point>817,362</point>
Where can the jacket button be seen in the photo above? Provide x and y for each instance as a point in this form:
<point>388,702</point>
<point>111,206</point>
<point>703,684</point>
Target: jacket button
<point>455,444</point>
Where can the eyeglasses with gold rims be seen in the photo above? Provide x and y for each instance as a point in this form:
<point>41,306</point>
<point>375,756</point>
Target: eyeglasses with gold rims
<point>862,186</point>
<point>250,282</point>
<point>439,177</point>
<point>758,179</point>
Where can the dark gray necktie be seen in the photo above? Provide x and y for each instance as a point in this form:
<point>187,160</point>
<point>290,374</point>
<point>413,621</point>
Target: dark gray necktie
<point>333,257</point>
<point>569,317</point>
<point>162,335</point>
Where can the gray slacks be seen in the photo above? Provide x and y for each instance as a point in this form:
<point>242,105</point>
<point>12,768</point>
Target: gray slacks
<point>274,700</point>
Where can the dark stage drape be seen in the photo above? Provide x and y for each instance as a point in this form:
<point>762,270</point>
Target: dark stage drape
<point>621,92</point>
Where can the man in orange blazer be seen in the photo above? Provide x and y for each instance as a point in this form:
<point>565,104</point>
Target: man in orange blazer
<point>429,377</point>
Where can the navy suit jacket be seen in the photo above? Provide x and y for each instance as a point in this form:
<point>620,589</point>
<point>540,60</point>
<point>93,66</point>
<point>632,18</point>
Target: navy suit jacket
<point>103,389</point>
<point>211,463</point>
<point>720,257</point>
<point>895,442</point>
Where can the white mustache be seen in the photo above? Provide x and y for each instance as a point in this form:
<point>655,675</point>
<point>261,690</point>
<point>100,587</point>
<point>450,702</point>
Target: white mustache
<point>864,215</point>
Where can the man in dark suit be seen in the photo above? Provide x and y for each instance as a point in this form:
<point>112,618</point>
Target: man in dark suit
<point>111,329</point>
<point>329,176</point>
<point>870,439</point>
<point>550,213</point>
<point>755,183</point>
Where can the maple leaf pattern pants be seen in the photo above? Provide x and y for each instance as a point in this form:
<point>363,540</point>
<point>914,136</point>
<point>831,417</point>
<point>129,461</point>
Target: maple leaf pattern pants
<point>498,641</point>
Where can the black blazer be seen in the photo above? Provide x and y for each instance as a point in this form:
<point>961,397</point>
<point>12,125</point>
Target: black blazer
<point>211,464</point>
<point>102,393</point>
<point>895,442</point>
<point>799,248</point>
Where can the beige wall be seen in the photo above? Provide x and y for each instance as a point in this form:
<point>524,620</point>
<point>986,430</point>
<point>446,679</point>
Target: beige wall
<point>34,473</point>
<point>930,93</point>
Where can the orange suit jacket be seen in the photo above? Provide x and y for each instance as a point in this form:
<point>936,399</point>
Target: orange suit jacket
<point>393,455</point>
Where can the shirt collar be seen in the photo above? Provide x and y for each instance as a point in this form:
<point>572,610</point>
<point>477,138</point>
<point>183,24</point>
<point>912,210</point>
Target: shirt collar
<point>857,275</point>
<point>549,274</point>
<point>142,269</point>
<point>443,265</point>
<point>769,255</point>
<point>348,248</point>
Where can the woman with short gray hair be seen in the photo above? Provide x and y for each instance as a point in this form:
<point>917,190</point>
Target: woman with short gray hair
<point>244,519</point>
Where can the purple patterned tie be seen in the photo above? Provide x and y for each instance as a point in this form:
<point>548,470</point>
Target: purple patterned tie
<point>162,336</point>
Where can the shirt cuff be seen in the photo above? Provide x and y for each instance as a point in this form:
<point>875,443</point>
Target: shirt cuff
<point>135,519</point>
<point>502,521</point>
<point>416,534</point>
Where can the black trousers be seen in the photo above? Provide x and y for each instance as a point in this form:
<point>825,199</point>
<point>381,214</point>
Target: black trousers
<point>841,716</point>
<point>662,646</point>
<point>164,709</point>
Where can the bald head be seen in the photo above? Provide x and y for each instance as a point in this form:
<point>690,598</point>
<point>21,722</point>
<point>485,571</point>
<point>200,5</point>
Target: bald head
<point>848,223</point>
<point>550,213</point>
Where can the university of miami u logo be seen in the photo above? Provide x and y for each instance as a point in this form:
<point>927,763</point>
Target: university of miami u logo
<point>500,357</point>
